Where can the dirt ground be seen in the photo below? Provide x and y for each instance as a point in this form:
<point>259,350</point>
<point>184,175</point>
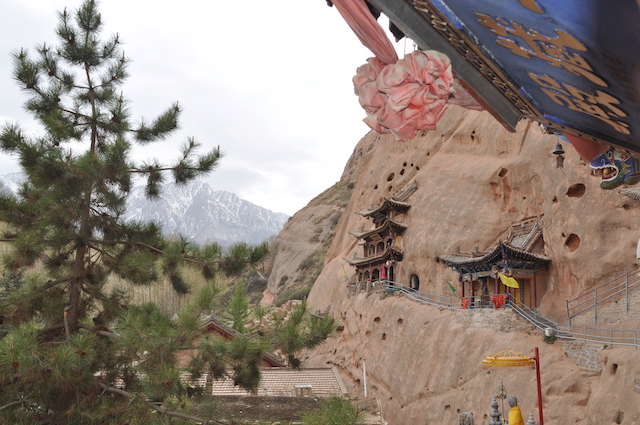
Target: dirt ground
<point>235,409</point>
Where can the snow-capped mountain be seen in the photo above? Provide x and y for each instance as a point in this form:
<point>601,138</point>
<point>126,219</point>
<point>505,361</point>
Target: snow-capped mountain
<point>205,214</point>
<point>196,211</point>
<point>9,183</point>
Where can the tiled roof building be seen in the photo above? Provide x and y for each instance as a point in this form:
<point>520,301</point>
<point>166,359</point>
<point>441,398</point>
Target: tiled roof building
<point>318,382</point>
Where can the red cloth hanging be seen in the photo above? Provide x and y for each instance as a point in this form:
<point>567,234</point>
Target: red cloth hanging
<point>498,300</point>
<point>366,27</point>
<point>465,302</point>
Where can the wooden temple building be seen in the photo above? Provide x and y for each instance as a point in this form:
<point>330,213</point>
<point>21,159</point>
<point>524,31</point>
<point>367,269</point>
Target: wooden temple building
<point>381,246</point>
<point>518,254</point>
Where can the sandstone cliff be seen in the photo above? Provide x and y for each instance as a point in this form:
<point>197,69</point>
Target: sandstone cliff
<point>474,179</point>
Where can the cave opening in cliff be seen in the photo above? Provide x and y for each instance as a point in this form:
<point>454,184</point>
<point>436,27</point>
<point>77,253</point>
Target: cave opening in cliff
<point>415,282</point>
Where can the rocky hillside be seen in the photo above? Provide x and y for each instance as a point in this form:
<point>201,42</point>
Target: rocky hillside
<point>474,179</point>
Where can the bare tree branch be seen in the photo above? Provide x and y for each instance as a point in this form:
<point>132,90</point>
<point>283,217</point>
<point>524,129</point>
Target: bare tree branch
<point>13,403</point>
<point>97,330</point>
<point>152,405</point>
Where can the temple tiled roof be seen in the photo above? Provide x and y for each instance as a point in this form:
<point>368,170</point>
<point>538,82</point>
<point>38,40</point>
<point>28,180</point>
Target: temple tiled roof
<point>516,244</point>
<point>525,234</point>
<point>323,382</point>
<point>493,256</point>
<point>391,251</point>
<point>386,203</point>
<point>227,331</point>
<point>387,223</point>
<point>406,191</point>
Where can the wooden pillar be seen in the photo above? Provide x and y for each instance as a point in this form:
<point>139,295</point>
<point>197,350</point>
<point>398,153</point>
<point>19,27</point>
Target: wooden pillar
<point>535,290</point>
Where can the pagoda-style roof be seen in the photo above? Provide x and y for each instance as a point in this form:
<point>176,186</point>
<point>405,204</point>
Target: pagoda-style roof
<point>388,223</point>
<point>513,252</point>
<point>391,253</point>
<point>216,325</point>
<point>525,234</point>
<point>499,252</point>
<point>383,208</point>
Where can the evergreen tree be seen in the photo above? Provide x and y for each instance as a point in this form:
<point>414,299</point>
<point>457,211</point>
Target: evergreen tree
<point>72,350</point>
<point>237,312</point>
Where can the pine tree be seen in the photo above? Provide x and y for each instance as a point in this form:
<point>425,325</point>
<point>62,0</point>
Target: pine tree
<point>76,351</point>
<point>237,312</point>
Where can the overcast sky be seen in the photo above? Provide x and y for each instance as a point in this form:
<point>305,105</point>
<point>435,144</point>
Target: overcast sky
<point>268,81</point>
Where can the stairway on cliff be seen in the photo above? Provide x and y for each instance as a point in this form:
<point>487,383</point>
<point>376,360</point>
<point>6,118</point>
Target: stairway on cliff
<point>610,303</point>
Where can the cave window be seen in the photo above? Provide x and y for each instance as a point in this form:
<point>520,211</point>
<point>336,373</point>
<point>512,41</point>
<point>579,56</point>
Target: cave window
<point>415,282</point>
<point>372,250</point>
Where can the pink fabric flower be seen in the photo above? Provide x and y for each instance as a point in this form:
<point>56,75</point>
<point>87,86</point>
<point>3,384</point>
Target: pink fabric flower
<point>407,96</point>
<point>367,91</point>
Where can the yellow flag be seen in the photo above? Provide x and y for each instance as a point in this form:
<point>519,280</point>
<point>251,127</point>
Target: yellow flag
<point>508,281</point>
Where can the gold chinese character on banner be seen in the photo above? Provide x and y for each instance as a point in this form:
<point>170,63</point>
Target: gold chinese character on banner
<point>599,105</point>
<point>531,43</point>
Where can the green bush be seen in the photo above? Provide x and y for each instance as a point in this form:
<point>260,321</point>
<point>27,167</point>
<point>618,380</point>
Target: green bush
<point>335,411</point>
<point>292,294</point>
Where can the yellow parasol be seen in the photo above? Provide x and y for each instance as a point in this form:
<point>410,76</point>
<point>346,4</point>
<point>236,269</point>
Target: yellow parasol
<point>508,358</point>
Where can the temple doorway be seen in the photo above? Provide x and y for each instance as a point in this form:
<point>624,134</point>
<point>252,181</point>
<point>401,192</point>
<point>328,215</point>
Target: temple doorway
<point>522,295</point>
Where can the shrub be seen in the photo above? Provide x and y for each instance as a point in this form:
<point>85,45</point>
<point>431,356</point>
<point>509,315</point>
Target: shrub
<point>335,411</point>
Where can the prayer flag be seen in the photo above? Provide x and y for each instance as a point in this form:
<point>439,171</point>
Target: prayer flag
<point>508,281</point>
<point>346,277</point>
<point>453,290</point>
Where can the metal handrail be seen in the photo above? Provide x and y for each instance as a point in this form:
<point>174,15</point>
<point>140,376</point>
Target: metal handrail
<point>611,290</point>
<point>607,337</point>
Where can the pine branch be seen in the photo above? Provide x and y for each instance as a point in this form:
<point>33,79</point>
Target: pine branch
<point>100,250</point>
<point>152,405</point>
<point>149,247</point>
<point>98,331</point>
<point>51,283</point>
<point>13,403</point>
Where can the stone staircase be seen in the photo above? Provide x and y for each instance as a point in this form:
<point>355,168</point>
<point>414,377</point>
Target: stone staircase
<point>610,303</point>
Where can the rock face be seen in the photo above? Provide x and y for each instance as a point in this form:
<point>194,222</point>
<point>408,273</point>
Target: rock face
<point>474,179</point>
